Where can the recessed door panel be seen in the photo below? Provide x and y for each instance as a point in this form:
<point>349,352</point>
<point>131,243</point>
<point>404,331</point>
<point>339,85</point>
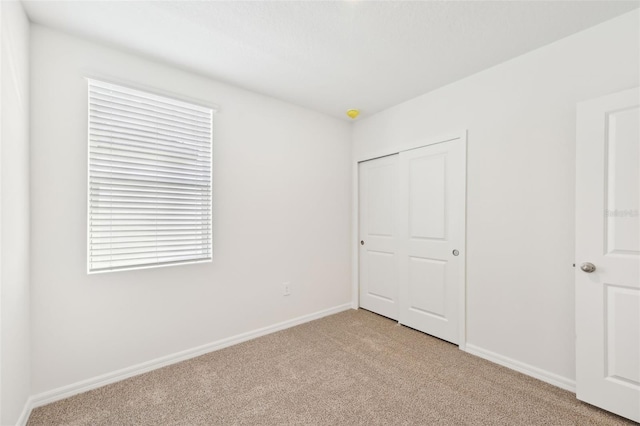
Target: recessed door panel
<point>379,213</point>
<point>623,182</point>
<point>427,197</point>
<point>382,275</point>
<point>622,341</point>
<point>428,286</point>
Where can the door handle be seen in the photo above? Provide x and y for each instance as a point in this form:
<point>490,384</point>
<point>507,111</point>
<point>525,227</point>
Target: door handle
<point>361,242</point>
<point>588,267</point>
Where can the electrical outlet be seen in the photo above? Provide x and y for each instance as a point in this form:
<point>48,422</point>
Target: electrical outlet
<point>286,289</point>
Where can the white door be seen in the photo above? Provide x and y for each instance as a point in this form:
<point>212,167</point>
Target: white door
<point>432,233</point>
<point>608,238</point>
<point>378,205</point>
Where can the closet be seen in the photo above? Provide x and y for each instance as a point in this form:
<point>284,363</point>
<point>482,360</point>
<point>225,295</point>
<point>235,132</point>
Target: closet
<point>412,237</point>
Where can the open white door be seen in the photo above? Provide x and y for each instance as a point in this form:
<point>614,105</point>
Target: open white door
<point>378,205</point>
<point>431,238</point>
<point>607,282</point>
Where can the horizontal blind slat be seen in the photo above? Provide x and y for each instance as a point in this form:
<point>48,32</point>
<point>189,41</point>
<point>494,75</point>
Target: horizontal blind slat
<point>153,145</point>
<point>139,228</point>
<point>154,222</point>
<point>137,264</point>
<point>106,166</point>
<point>148,180</point>
<point>142,213</point>
<point>148,130</point>
<point>96,193</point>
<point>148,250</point>
<point>148,191</point>
<point>121,207</point>
<point>144,125</point>
<point>142,99</point>
<point>99,130</point>
<point>149,243</point>
<point>100,97</point>
<point>111,112</point>
<point>95,254</point>
<point>149,199</point>
<point>116,236</point>
<point>133,162</point>
<point>128,133</point>
<point>120,108</point>
<point>115,155</point>
<point>148,255</point>
<point>133,171</point>
<point>107,148</point>
<point>138,95</point>
<point>205,203</point>
<point>167,187</point>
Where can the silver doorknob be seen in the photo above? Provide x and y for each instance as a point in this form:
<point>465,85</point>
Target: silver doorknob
<point>588,267</point>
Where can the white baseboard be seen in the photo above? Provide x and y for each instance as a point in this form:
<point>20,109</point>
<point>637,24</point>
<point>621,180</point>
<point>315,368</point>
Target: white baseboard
<point>26,412</point>
<point>118,375</point>
<point>540,374</point>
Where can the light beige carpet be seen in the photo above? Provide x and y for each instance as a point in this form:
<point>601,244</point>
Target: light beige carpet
<point>347,369</point>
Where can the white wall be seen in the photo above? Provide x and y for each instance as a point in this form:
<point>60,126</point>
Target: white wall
<point>520,117</point>
<point>281,213</point>
<point>14,213</point>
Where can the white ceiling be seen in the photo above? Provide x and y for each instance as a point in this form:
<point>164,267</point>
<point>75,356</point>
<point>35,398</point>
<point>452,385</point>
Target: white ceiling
<point>329,56</point>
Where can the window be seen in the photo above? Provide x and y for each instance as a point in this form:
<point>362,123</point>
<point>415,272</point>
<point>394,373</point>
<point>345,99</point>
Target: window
<point>149,180</point>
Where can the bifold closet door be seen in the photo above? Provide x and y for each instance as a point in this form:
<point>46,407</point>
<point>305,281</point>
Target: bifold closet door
<point>431,238</point>
<point>378,210</point>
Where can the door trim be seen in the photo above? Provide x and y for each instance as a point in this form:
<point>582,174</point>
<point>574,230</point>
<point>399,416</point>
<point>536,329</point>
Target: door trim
<point>355,209</point>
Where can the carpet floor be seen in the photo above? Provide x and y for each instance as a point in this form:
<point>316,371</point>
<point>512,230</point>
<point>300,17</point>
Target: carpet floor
<point>352,368</point>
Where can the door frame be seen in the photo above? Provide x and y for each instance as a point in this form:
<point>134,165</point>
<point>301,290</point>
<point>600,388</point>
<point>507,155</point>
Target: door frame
<point>355,223</point>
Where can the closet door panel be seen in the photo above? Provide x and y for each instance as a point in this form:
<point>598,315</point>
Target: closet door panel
<point>431,227</point>
<point>378,262</point>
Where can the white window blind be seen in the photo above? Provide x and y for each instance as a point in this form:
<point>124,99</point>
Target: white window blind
<point>149,180</point>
